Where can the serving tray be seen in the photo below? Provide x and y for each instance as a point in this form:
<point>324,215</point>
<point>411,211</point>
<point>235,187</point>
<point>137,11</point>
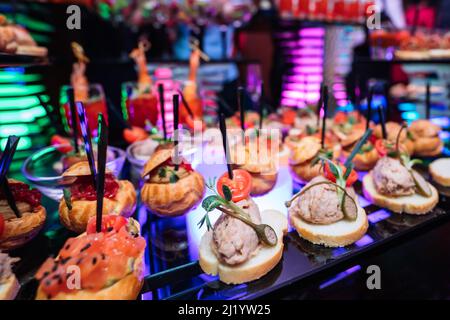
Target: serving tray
<point>172,270</point>
<point>301,259</point>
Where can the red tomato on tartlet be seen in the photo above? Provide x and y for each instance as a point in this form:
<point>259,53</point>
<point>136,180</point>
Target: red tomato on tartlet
<point>240,185</point>
<point>330,176</point>
<point>288,117</point>
<point>109,223</point>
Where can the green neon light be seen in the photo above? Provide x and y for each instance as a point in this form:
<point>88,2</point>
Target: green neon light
<point>30,23</point>
<point>20,103</point>
<point>11,76</point>
<point>24,143</point>
<point>23,115</point>
<point>15,129</point>
<point>20,90</point>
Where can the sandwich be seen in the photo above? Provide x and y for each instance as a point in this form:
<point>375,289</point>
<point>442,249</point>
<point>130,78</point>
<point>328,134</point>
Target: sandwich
<point>244,243</point>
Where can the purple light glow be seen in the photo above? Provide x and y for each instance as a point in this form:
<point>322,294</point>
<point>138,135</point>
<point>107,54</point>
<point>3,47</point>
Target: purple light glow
<point>340,276</point>
<point>364,241</point>
<point>301,86</point>
<point>300,78</point>
<point>378,216</point>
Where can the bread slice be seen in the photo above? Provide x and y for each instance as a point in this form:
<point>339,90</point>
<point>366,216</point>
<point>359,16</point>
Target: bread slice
<point>440,171</point>
<point>414,204</point>
<point>254,268</point>
<point>9,289</point>
<point>338,234</point>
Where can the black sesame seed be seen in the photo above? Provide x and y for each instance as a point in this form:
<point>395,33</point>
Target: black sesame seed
<point>87,246</point>
<point>94,260</point>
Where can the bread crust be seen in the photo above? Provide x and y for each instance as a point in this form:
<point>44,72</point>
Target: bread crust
<point>331,241</point>
<point>437,175</point>
<point>399,204</point>
<point>173,199</point>
<point>76,219</point>
<point>19,231</point>
<point>242,273</point>
<point>127,288</point>
<point>9,289</point>
<point>363,162</point>
<point>428,147</point>
<point>262,183</point>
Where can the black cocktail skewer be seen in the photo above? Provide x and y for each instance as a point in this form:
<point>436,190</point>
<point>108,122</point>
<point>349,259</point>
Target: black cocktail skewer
<point>176,106</point>
<point>186,104</point>
<point>226,149</point>
<point>320,104</point>
<point>101,171</point>
<point>325,113</point>
<point>382,121</point>
<point>369,107</point>
<point>5,162</point>
<point>428,101</point>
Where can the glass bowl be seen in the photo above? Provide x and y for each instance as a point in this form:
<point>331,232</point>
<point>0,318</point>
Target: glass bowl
<point>44,168</point>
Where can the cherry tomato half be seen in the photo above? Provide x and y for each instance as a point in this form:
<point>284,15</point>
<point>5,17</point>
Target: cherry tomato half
<point>134,134</point>
<point>289,116</point>
<point>2,225</point>
<point>60,140</point>
<point>340,117</point>
<point>381,147</point>
<point>240,185</point>
<point>109,223</point>
<point>330,176</point>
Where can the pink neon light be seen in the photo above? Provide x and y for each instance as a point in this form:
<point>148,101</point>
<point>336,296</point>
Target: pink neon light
<point>338,87</point>
<point>163,73</point>
<point>340,95</point>
<point>306,52</point>
<point>302,87</point>
<point>288,102</point>
<point>300,78</point>
<point>306,61</point>
<point>308,69</point>
<point>311,42</point>
<point>293,94</point>
<point>312,32</point>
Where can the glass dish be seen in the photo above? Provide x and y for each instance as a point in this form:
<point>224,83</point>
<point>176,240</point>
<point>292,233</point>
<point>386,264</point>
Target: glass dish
<point>44,168</point>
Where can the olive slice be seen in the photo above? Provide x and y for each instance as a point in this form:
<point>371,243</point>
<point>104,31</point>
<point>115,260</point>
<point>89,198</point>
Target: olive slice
<point>422,186</point>
<point>349,207</point>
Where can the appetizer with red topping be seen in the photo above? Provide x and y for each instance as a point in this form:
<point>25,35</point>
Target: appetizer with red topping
<point>367,156</point>
<point>326,211</point>
<point>394,130</point>
<point>394,184</point>
<point>80,198</point>
<point>258,159</point>
<point>304,159</point>
<point>18,228</point>
<point>244,244</point>
<point>171,187</point>
<point>107,265</point>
